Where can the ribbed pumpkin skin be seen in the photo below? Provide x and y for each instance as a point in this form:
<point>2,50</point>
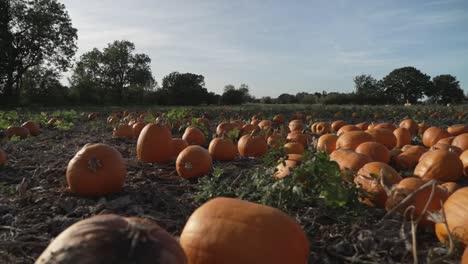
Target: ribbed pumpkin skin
<point>293,148</point>
<point>411,125</point>
<point>320,128</point>
<point>108,177</point>
<point>296,125</point>
<point>194,161</point>
<point>194,136</point>
<point>222,149</point>
<point>3,157</point>
<point>252,146</point>
<point>348,160</point>
<point>109,239</point>
<point>123,131</point>
<point>403,136</point>
<point>137,128</point>
<point>363,126</point>
<point>351,140</point>
<point>155,144</point>
<point>336,125</point>
<point>231,231</point>
<point>347,128</point>
<point>456,212</point>
<point>461,141</point>
<point>383,136</point>
<point>327,143</point>
<point>432,135</point>
<point>439,165</point>
<point>456,130</point>
<point>374,194</point>
<point>375,151</point>
<point>178,145</point>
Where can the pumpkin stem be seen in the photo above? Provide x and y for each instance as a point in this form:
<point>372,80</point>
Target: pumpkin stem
<point>94,164</point>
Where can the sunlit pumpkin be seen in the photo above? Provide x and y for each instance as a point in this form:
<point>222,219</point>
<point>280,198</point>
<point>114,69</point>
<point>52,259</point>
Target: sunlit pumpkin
<point>447,140</point>
<point>224,128</point>
<point>299,137</point>
<point>284,167</point>
<point>232,231</point>
<point>248,128</point>
<point>275,140</point>
<point>327,143</point>
<point>123,131</point>
<point>410,125</point>
<point>347,128</point>
<point>375,151</point>
<point>222,149</point>
<point>349,161</point>
<point>137,127</point>
<point>194,136</point>
<point>33,127</point>
<point>461,141</point>
<point>456,213</point>
<point>194,161</point>
<point>336,125</point>
<point>252,146</point>
<point>439,165</point>
<point>432,135</point>
<point>155,144</point>
<point>447,147</point>
<point>363,126</point>
<point>296,125</point>
<point>114,239</point>
<point>403,136</point>
<point>450,187</point>
<point>320,128</point>
<point>293,148</point>
<point>178,145</point>
<point>368,180</point>
<point>264,124</point>
<point>383,136</point>
<point>464,159</point>
<point>388,126</point>
<point>353,139</point>
<point>95,170</point>
<point>456,130</point>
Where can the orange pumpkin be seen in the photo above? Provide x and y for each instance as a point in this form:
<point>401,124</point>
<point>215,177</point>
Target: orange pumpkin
<point>432,135</point>
<point>95,170</point>
<point>194,136</point>
<point>3,157</point>
<point>447,140</point>
<point>464,159</point>
<point>407,186</point>
<point>347,128</point>
<point>204,121</point>
<point>353,139</point>
<point>137,128</point>
<point>114,239</point>
<point>368,180</point>
<point>422,127</point>
<point>450,187</point>
<point>279,119</point>
<point>155,144</point>
<point>363,126</point>
<point>285,165</point>
<point>194,161</point>
<point>439,165</point>
<point>327,143</point>
<point>410,125</point>
<point>349,161</point>
<point>456,208</point>
<point>336,125</point>
<point>320,128</point>
<point>178,145</point>
<point>456,130</point>
<point>403,136</point>
<point>33,128</point>
<point>461,141</point>
<point>383,136</point>
<point>21,132</point>
<point>447,147</point>
<point>264,124</point>
<point>224,128</point>
<point>408,159</point>
<point>299,137</point>
<point>222,149</point>
<point>261,234</point>
<point>294,148</point>
<point>275,140</point>
<point>296,125</point>
<point>388,126</point>
<point>252,146</point>
<point>248,128</point>
<point>375,151</point>
<point>123,131</point>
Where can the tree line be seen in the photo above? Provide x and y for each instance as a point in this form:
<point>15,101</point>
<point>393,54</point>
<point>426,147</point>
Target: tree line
<point>38,44</point>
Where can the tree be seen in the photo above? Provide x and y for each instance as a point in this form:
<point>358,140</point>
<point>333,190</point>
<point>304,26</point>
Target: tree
<point>445,89</point>
<point>244,88</point>
<point>286,99</point>
<point>115,74</point>
<point>33,33</point>
<point>366,85</point>
<point>229,87</point>
<point>185,88</point>
<point>42,86</point>
<point>406,84</point>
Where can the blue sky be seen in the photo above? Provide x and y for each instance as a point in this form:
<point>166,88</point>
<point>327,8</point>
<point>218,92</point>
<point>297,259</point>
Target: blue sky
<point>279,46</point>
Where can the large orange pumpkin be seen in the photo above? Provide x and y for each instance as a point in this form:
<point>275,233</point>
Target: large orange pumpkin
<point>439,165</point>
<point>95,170</point>
<point>248,128</point>
<point>327,143</point>
<point>33,127</point>
<point>299,137</point>
<point>403,136</point>
<point>456,213</point>
<point>252,146</point>
<point>383,136</point>
<point>137,127</point>
<point>456,130</point>
<point>222,149</point>
<point>155,144</point>
<point>461,141</point>
<point>123,131</point>
<point>432,135</point>
<point>388,126</point>
<point>349,161</point>
<point>353,139</point>
<point>178,145</point>
<point>294,148</point>
<point>114,239</point>
<point>347,128</point>
<point>375,151</point>
<point>232,231</point>
<point>411,125</point>
<point>194,161</point>
<point>363,126</point>
<point>279,119</point>
<point>194,136</point>
<point>464,159</point>
<point>447,147</point>
<point>407,186</point>
<point>296,125</point>
<point>320,128</point>
<point>336,125</point>
<point>368,180</point>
